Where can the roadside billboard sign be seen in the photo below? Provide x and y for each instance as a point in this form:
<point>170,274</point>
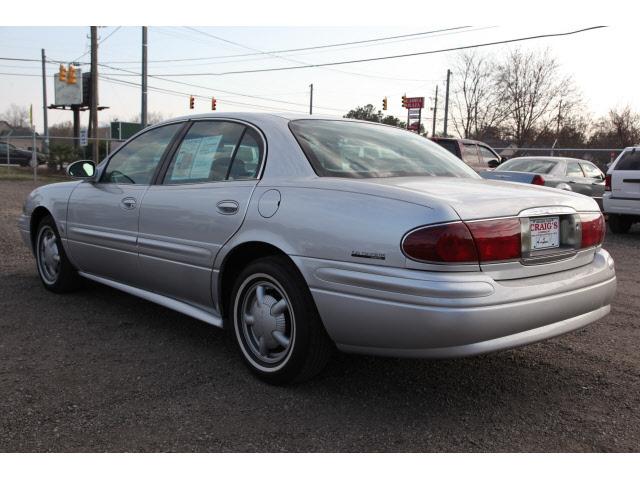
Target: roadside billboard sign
<point>415,102</point>
<point>68,93</point>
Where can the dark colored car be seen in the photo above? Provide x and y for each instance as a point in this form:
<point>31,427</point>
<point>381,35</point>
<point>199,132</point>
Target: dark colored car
<point>570,174</point>
<point>477,155</point>
<point>17,156</point>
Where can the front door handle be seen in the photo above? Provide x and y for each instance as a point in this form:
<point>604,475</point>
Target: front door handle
<point>129,203</point>
<point>227,207</point>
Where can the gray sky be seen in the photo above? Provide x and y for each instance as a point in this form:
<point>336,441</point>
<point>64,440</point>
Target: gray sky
<point>592,58</point>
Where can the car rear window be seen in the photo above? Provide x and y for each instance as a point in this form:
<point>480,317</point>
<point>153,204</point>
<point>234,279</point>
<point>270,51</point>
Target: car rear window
<point>533,165</point>
<point>630,161</point>
<point>338,148</point>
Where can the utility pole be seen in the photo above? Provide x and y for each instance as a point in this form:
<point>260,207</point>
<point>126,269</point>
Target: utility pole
<point>559,116</point>
<point>94,92</point>
<point>44,104</point>
<point>143,111</point>
<point>446,103</point>
<point>311,100</point>
<point>435,113</point>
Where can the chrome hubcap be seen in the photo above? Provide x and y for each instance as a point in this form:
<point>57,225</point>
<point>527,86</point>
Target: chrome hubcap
<point>48,255</point>
<point>267,322</point>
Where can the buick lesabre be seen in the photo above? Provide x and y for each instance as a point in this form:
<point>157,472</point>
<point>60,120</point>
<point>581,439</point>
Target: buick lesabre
<point>301,234</point>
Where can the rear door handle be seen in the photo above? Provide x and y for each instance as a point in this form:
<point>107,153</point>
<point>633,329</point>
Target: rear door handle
<point>227,207</point>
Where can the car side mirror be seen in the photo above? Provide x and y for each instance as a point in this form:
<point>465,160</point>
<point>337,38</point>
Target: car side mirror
<point>82,169</point>
<point>493,163</point>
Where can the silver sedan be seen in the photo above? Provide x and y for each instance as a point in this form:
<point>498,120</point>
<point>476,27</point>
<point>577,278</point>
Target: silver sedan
<point>302,234</point>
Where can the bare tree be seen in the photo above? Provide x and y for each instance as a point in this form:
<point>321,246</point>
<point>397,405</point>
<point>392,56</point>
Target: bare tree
<point>16,116</point>
<point>619,129</point>
<point>477,106</point>
<point>152,118</point>
<point>531,86</point>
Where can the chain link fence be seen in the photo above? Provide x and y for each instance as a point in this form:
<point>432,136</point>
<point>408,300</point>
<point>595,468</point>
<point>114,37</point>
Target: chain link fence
<point>52,156</point>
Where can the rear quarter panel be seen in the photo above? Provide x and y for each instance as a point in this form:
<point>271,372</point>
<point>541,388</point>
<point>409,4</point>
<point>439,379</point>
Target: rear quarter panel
<point>335,225</point>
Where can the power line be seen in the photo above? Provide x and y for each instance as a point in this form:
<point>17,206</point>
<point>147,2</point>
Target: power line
<point>100,42</point>
<point>389,57</point>
<point>315,47</point>
<point>185,94</point>
<point>257,97</point>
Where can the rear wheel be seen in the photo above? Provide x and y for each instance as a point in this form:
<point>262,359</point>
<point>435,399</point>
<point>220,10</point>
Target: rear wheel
<point>619,223</point>
<point>276,323</point>
<point>56,272</point>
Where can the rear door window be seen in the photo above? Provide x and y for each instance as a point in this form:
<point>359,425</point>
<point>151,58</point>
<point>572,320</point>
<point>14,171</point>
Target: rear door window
<point>205,153</point>
<point>629,161</point>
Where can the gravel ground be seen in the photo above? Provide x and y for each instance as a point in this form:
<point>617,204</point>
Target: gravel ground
<point>99,370</point>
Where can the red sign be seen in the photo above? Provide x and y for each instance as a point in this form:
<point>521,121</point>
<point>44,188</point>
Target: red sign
<point>415,102</point>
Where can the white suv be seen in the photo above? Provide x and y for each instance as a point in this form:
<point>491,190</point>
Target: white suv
<point>622,191</point>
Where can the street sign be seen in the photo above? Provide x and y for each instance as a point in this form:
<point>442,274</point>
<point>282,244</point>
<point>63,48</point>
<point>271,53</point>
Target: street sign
<point>84,141</point>
<point>415,102</point>
<point>68,93</point>
<point>414,113</point>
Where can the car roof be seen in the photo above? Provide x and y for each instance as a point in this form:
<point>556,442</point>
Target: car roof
<point>553,159</point>
<point>258,115</point>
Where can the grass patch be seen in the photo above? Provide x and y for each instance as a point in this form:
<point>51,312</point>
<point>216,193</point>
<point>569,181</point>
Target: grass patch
<point>24,174</point>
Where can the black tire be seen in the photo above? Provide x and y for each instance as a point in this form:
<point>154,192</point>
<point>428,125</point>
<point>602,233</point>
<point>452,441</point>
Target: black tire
<point>619,223</point>
<point>309,347</point>
<point>65,278</point>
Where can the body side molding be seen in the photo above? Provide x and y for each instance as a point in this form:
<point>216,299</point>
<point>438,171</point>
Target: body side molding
<point>181,307</point>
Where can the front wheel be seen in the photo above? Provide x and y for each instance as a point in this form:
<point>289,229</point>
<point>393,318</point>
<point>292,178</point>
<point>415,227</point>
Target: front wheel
<point>55,270</point>
<point>276,323</point>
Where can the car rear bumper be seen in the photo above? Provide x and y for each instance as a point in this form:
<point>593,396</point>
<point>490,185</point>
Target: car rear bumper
<point>408,313</point>
<point>621,205</point>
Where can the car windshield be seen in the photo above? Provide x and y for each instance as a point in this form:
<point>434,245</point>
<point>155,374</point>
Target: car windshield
<point>365,150</point>
<point>533,165</point>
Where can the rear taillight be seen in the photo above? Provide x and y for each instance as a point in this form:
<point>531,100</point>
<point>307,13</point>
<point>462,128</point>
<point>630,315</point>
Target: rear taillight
<point>592,226</point>
<point>538,180</point>
<point>497,239</point>
<point>484,241</point>
<point>451,242</point>
<point>607,183</point>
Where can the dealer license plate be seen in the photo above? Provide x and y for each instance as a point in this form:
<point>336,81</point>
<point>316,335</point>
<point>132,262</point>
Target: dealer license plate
<point>545,232</point>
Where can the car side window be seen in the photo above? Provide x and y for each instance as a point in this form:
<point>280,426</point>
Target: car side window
<point>247,160</point>
<point>574,170</point>
<point>205,153</point>
<point>630,160</point>
<point>137,161</point>
<point>470,154</point>
<point>486,153</point>
<point>591,171</point>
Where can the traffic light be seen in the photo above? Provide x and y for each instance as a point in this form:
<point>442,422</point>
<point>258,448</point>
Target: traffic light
<point>191,101</point>
<point>62,76</point>
<point>404,101</point>
<point>71,78</point>
<point>384,103</point>
<point>213,103</point>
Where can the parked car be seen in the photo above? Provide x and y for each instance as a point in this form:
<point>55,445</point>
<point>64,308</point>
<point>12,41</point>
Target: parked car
<point>477,155</point>
<point>570,174</point>
<point>18,156</point>
<point>302,240</point>
<point>622,195</point>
